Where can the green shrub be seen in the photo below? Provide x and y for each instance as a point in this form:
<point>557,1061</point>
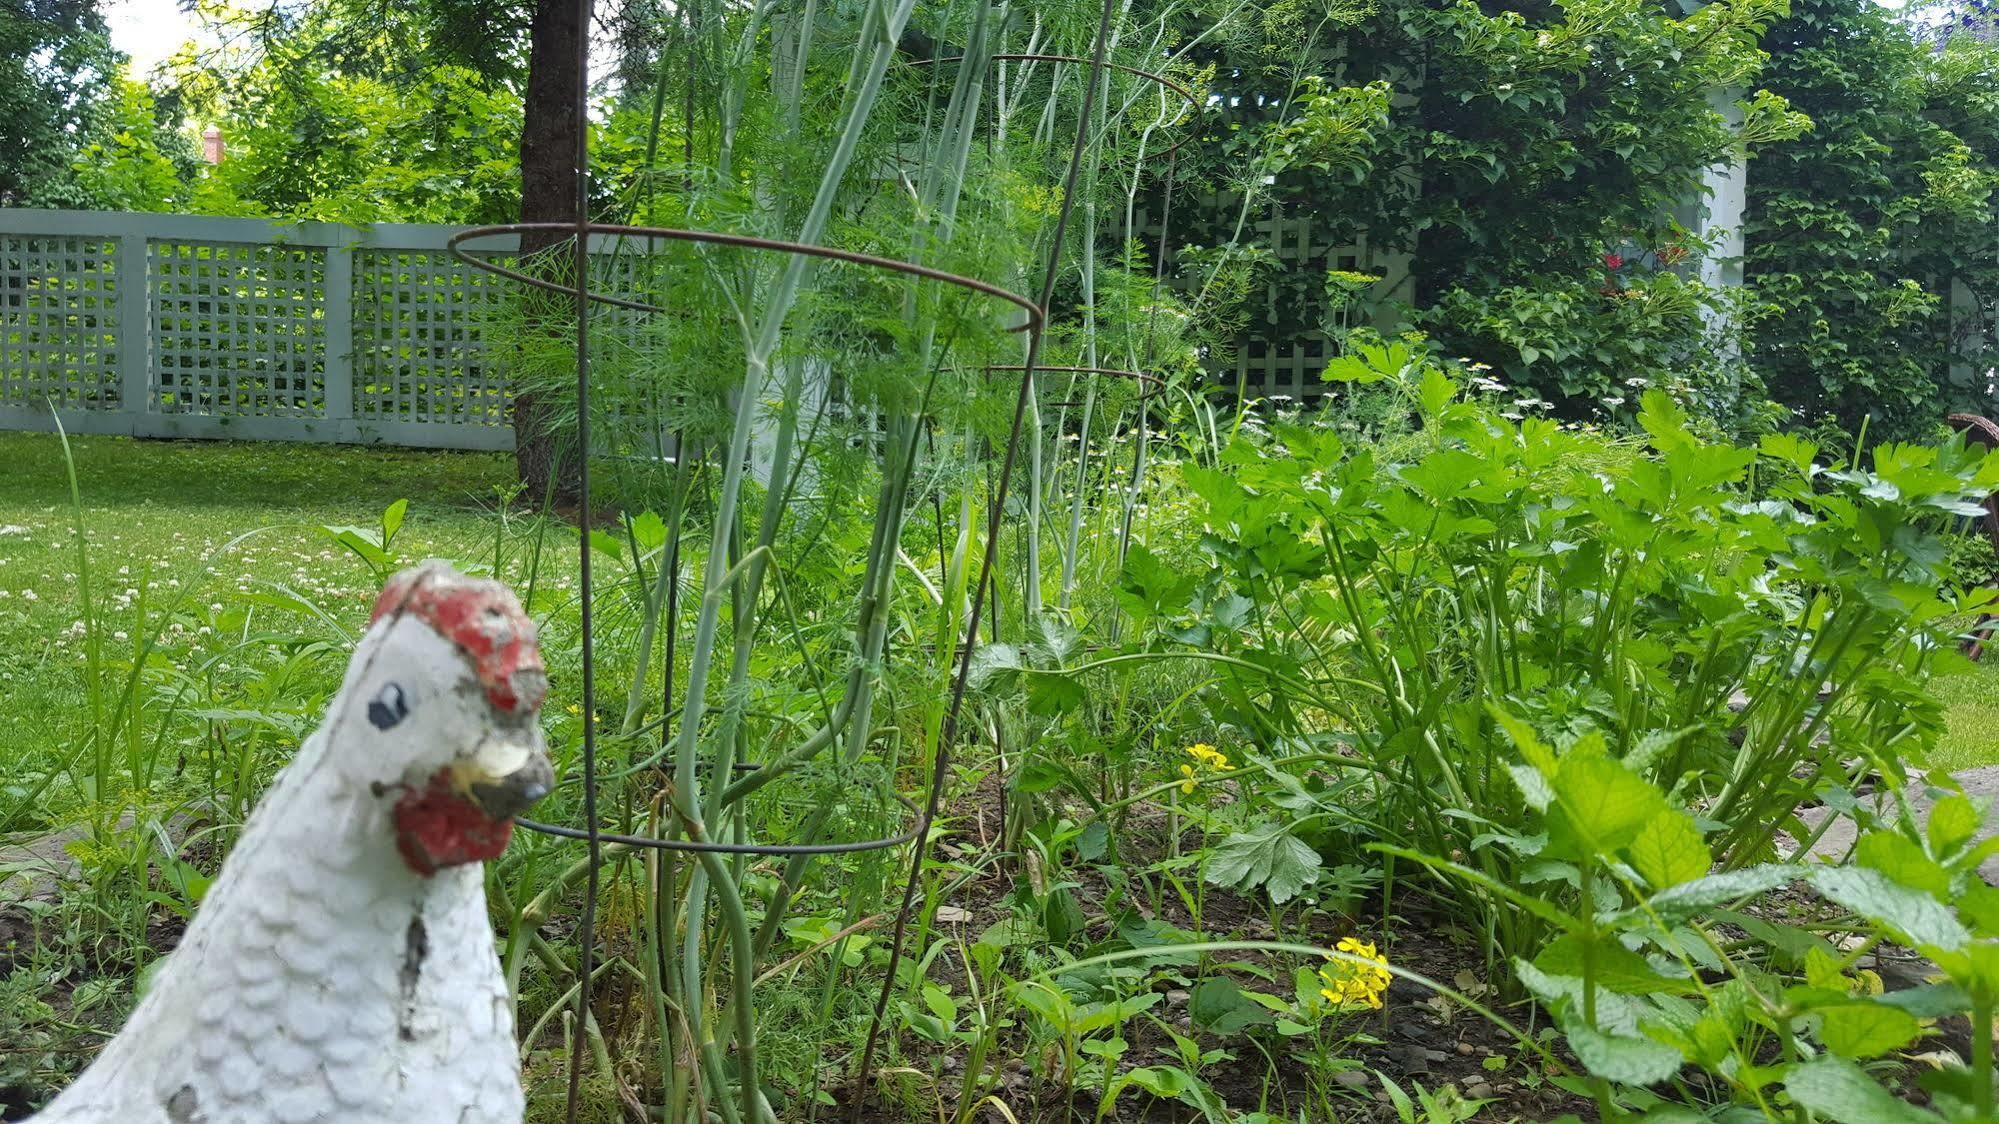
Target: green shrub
<point>1735,628</point>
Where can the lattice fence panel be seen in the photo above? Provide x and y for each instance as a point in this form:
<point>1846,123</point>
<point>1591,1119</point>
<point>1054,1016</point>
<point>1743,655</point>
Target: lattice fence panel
<point>238,328</point>
<point>421,352</point>
<point>633,405</point>
<point>59,322</point>
<point>1281,349</point>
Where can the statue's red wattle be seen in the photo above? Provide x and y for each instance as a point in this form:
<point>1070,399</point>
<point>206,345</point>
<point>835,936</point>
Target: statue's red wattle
<point>436,827</point>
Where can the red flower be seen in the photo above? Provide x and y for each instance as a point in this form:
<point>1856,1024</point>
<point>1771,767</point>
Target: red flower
<point>1672,254</point>
<point>1613,261</point>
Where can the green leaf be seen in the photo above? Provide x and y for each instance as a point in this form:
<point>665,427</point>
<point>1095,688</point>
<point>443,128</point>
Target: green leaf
<point>1443,474</point>
<point>1953,821</point>
<point>1112,1048</point>
<point>1902,859</point>
<point>1601,801</point>
<point>1524,739</point>
<point>1053,692</point>
<point>1669,850</point>
<point>648,531</point>
<point>1616,1013</point>
<point>392,520</point>
<point>1864,1029</point>
<point>1623,1058</point>
<point>364,542</point>
<point>1915,918</point>
<point>940,1002</point>
<point>995,666</point>
<point>1219,1006</point>
<point>189,883</point>
<point>1795,451</point>
<point>1839,1090</point>
<point>1928,1001</point>
<point>1150,587</point>
<point>1664,421</point>
<point>1647,750</point>
<point>1166,1081</point>
<point>1062,915</point>
<point>1102,1016</point>
<point>1615,967</point>
<point>1436,392</point>
<point>1702,894</point>
<point>1268,856</point>
<point>1534,787</point>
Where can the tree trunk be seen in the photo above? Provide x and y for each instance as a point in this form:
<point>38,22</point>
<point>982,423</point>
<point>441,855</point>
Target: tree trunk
<point>545,459</point>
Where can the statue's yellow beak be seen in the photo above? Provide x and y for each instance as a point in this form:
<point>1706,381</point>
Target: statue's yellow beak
<point>505,775</point>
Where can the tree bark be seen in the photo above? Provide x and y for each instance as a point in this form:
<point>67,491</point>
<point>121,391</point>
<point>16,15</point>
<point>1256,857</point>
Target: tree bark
<point>546,459</point>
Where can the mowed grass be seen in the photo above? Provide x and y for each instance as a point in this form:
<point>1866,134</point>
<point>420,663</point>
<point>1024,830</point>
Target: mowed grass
<point>191,543</point>
<point>1971,701</point>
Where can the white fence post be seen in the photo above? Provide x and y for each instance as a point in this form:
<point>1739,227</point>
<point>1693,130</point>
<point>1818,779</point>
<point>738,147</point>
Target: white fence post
<point>1973,337</point>
<point>1728,199</point>
<point>338,286</point>
<point>187,326</point>
<point>135,325</point>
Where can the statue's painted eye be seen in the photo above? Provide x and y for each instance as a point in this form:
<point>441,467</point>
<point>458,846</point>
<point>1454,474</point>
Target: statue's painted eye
<point>388,708</point>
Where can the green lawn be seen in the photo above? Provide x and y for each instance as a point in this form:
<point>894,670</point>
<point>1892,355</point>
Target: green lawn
<point>203,537</point>
<point>207,538</point>
<point>1972,702</point>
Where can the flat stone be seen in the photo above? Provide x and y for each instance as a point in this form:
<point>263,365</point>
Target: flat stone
<point>39,868</point>
<point>1981,784</point>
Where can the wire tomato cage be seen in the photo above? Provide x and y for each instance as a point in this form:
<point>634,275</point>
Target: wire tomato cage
<point>1031,322</point>
<point>1165,83</point>
<point>581,230</point>
<point>1153,384</point>
<point>1981,431</point>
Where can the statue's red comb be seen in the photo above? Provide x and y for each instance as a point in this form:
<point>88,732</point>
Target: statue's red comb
<point>486,622</point>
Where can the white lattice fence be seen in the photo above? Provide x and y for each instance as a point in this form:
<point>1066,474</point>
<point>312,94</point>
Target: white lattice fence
<point>1274,355</point>
<point>59,319</point>
<point>237,329</point>
<point>419,353</point>
<point>180,326</point>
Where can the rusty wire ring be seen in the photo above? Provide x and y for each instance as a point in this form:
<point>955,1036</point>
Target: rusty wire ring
<point>707,847</point>
<point>1981,431</point>
<point>1035,316</point>
<point>1159,385</point>
<point>1193,104</point>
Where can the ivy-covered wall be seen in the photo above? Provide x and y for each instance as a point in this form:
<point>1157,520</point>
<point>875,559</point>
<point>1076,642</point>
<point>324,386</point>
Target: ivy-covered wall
<point>1528,159</point>
<point>1859,230</point>
<point>1533,163</point>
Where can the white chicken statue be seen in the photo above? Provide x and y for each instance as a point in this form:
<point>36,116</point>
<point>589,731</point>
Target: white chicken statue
<point>342,969</point>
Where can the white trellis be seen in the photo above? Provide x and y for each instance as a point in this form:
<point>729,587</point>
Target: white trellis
<point>181,326</point>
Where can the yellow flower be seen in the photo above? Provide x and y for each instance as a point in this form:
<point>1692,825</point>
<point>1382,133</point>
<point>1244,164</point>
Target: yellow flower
<point>1208,755</point>
<point>1357,978</point>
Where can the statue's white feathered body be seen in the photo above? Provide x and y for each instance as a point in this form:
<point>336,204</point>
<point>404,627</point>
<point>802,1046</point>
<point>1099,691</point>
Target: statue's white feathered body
<point>342,967</point>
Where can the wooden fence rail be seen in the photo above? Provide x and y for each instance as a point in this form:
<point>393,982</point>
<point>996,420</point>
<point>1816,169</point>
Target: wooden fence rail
<point>182,326</point>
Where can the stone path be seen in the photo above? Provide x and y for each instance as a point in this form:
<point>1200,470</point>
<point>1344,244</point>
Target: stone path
<point>1981,784</point>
